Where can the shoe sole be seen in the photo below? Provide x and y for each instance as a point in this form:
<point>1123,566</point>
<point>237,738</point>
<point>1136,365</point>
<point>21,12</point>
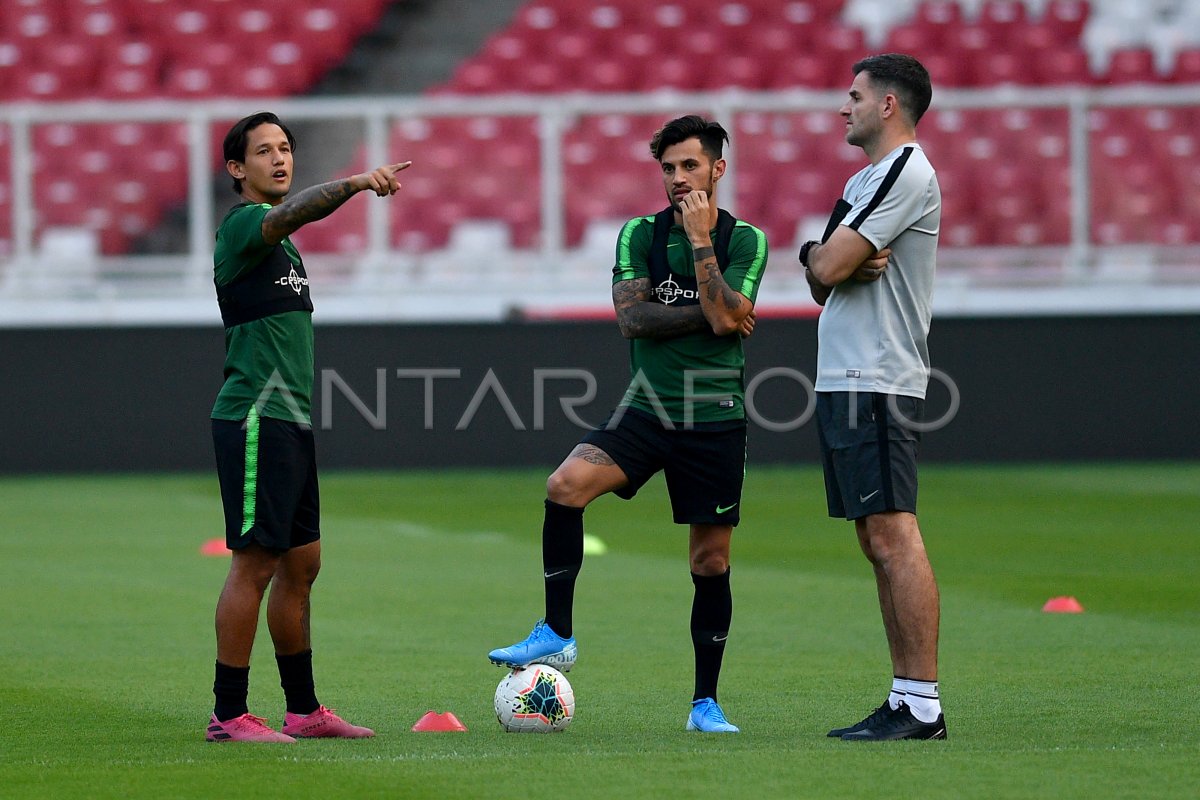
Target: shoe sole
<point>560,666</point>
<point>940,733</point>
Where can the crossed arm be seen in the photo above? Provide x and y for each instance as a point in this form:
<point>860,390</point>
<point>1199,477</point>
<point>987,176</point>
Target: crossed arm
<point>847,254</point>
<point>317,202</point>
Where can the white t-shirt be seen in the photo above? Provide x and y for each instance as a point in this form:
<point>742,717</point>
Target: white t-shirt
<point>872,336</point>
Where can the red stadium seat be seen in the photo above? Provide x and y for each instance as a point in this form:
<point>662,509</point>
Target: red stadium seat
<point>1058,67</point>
<point>938,13</point>
<point>1002,16</point>
<point>1132,66</point>
<point>1067,16</point>
<point>916,38</point>
<point>192,81</point>
<point>119,82</point>
<point>1001,68</point>
<point>189,28</point>
<point>801,69</point>
<point>1186,68</point>
<point>94,21</point>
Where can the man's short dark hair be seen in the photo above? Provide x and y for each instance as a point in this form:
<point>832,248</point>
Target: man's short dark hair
<point>905,76</point>
<point>234,147</point>
<point>712,136</point>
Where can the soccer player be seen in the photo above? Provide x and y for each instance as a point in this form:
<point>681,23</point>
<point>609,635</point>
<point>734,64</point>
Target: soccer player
<point>262,431</point>
<point>872,372</point>
<point>684,286</point>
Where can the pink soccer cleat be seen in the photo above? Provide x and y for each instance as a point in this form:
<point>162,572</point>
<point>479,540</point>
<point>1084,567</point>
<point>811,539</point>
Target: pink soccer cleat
<point>246,728</point>
<point>323,724</point>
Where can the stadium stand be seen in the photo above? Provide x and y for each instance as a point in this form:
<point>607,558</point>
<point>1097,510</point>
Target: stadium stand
<point>63,50</point>
<point>1008,167</point>
<point>1005,170</point>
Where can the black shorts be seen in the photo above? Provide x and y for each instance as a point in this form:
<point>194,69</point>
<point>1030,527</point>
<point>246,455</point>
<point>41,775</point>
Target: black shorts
<point>268,473</point>
<point>704,465</point>
<point>869,452</point>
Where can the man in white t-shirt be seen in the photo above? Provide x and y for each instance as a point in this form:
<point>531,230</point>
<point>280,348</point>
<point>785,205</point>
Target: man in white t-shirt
<point>874,275</point>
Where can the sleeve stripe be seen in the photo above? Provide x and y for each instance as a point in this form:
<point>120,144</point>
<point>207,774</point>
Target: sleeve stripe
<point>755,270</point>
<point>889,181</point>
<point>624,270</point>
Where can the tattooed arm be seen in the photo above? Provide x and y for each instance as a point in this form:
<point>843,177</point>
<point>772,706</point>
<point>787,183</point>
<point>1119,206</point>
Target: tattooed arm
<point>724,309</point>
<point>317,202</point>
<point>640,318</point>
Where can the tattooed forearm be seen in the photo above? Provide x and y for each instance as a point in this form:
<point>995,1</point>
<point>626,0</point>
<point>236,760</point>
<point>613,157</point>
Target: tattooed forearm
<point>710,279</point>
<point>593,455</point>
<point>700,254</point>
<point>639,318</point>
<point>308,205</point>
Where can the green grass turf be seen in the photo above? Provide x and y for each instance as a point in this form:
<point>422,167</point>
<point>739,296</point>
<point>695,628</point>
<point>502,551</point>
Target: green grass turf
<point>106,659</point>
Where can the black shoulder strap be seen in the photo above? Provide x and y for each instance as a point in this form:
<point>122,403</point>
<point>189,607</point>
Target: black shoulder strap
<point>659,271</point>
<point>663,220</point>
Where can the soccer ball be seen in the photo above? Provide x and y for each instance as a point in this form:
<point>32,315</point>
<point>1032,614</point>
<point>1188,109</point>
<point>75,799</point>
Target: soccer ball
<point>535,699</point>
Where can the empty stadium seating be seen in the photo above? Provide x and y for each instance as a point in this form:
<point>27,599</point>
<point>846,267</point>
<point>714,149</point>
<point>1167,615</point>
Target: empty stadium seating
<point>1005,170</point>
<point>62,50</point>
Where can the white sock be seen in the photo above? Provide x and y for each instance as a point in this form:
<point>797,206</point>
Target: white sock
<point>921,697</point>
<point>896,695</point>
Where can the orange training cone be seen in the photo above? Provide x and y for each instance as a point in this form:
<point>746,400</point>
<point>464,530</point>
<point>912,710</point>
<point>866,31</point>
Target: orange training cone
<point>433,721</point>
<point>1063,605</point>
<point>214,547</point>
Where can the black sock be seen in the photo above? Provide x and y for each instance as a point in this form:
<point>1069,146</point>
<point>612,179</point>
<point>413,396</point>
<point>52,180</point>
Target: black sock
<point>230,686</point>
<point>562,556</point>
<point>712,610</point>
<point>296,678</point>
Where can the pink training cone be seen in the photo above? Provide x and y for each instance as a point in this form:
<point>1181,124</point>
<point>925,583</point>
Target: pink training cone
<point>1063,605</point>
<point>214,547</point>
<point>434,722</point>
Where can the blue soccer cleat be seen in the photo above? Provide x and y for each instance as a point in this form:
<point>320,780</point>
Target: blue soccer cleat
<point>707,717</point>
<point>543,646</point>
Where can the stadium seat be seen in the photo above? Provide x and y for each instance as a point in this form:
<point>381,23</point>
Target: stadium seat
<point>1186,67</point>
<point>800,69</point>
<point>1067,16</point>
<point>1002,17</point>
<point>919,39</point>
<point>121,82</point>
<point>1061,67</point>
<point>1134,65</point>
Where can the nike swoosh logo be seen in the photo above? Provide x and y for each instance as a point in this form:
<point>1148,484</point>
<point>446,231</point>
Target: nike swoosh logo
<point>552,574</point>
<point>723,509</point>
<point>721,638</point>
<point>863,499</point>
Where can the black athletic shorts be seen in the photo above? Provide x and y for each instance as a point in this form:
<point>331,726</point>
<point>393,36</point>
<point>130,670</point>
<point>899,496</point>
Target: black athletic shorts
<point>704,465</point>
<point>869,452</point>
<point>268,473</point>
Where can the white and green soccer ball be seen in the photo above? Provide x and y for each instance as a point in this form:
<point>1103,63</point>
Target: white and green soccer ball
<point>535,699</point>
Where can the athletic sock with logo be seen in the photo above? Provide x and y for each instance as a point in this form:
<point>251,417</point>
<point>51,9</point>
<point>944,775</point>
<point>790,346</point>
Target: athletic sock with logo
<point>562,556</point>
<point>712,611</point>
<point>922,699</point>
<point>230,687</point>
<point>896,695</point>
<point>296,678</point>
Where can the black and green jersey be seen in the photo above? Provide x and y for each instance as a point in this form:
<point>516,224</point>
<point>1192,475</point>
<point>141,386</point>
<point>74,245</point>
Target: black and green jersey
<point>263,293</point>
<point>703,366</point>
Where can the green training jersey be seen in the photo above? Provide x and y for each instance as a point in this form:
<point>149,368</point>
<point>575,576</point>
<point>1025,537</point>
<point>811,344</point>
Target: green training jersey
<point>268,360</point>
<point>714,366</point>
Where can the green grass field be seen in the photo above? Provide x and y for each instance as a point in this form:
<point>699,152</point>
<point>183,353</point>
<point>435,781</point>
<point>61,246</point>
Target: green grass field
<point>107,606</point>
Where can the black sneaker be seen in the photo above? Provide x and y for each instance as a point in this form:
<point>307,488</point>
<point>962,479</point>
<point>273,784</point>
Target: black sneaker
<point>872,719</point>
<point>898,724</point>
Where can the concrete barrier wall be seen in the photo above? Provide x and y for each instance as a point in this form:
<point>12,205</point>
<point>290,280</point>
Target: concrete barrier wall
<point>1029,388</point>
